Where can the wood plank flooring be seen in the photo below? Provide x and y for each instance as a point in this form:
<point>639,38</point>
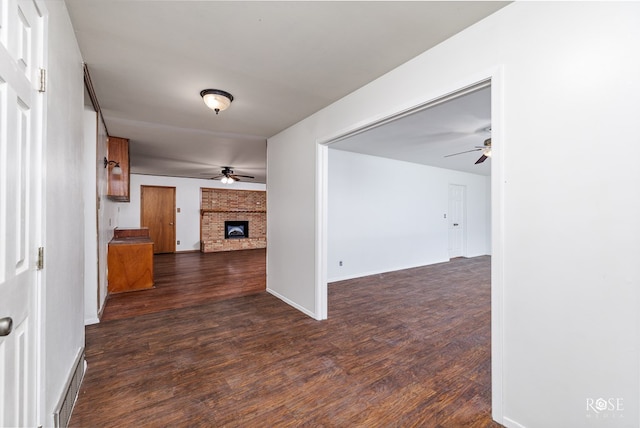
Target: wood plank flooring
<point>187,279</point>
<point>403,349</point>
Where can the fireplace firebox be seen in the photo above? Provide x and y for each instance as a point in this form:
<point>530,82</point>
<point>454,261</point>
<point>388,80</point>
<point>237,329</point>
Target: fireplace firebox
<point>236,229</point>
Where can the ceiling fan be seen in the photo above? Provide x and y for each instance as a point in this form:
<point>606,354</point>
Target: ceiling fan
<point>227,176</point>
<point>486,151</point>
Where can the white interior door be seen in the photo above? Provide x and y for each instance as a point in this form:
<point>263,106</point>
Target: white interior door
<point>21,107</point>
<point>456,220</point>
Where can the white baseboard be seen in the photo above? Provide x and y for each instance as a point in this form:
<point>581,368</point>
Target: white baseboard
<point>291,303</point>
<point>378,272</point>
<point>90,321</point>
<point>510,423</point>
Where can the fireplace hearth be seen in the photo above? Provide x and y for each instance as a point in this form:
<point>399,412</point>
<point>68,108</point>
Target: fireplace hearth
<point>236,229</point>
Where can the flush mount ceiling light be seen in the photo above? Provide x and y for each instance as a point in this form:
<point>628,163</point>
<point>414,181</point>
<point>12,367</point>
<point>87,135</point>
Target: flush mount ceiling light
<point>216,99</point>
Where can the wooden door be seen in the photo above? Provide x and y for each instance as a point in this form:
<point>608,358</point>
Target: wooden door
<point>456,220</point>
<point>158,213</point>
<point>21,123</point>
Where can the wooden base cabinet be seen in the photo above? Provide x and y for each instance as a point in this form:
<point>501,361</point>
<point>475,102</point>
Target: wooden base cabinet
<point>130,262</point>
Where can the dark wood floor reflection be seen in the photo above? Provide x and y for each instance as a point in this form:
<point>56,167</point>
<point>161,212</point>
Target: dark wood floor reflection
<point>403,349</point>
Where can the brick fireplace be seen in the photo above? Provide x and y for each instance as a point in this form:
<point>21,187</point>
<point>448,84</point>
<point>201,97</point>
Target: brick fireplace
<point>221,208</point>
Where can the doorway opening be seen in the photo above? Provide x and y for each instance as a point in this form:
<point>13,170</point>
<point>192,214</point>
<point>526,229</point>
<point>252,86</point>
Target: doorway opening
<point>489,209</point>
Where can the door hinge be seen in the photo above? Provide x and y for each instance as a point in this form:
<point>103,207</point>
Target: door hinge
<point>43,80</point>
<point>40,263</point>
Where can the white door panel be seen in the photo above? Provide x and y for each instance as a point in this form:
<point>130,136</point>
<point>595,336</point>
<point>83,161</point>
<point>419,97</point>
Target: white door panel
<point>21,35</point>
<point>456,216</point>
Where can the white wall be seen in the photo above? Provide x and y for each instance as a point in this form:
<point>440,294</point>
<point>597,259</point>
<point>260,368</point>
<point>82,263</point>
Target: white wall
<point>565,295</point>
<point>63,303</point>
<point>291,219</point>
<point>187,199</point>
<point>379,225</point>
<point>100,217</point>
<point>488,230</point>
<point>107,215</point>
<point>90,218</point>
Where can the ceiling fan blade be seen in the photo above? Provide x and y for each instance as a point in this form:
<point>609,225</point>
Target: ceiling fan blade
<point>240,175</point>
<point>468,151</point>
<point>217,177</point>
<point>482,159</point>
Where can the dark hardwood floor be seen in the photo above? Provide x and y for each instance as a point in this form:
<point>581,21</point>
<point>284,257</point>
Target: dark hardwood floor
<point>403,349</point>
<point>188,279</point>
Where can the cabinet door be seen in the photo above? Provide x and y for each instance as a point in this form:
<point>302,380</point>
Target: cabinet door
<point>118,185</point>
<point>130,266</point>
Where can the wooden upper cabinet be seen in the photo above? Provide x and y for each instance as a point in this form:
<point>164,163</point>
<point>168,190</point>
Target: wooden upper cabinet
<point>118,185</point>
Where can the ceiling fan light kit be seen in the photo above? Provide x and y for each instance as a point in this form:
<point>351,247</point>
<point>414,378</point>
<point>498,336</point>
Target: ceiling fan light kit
<point>216,99</point>
<point>227,176</point>
<point>486,149</point>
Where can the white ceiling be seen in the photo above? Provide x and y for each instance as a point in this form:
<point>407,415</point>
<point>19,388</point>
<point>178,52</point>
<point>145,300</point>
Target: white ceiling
<point>429,136</point>
<point>282,61</point>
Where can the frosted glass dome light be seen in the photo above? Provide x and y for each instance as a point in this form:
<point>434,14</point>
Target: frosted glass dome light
<point>216,99</point>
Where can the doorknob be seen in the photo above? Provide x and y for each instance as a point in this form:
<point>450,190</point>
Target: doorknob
<point>170,224</point>
<point>455,224</point>
<point>6,325</point>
